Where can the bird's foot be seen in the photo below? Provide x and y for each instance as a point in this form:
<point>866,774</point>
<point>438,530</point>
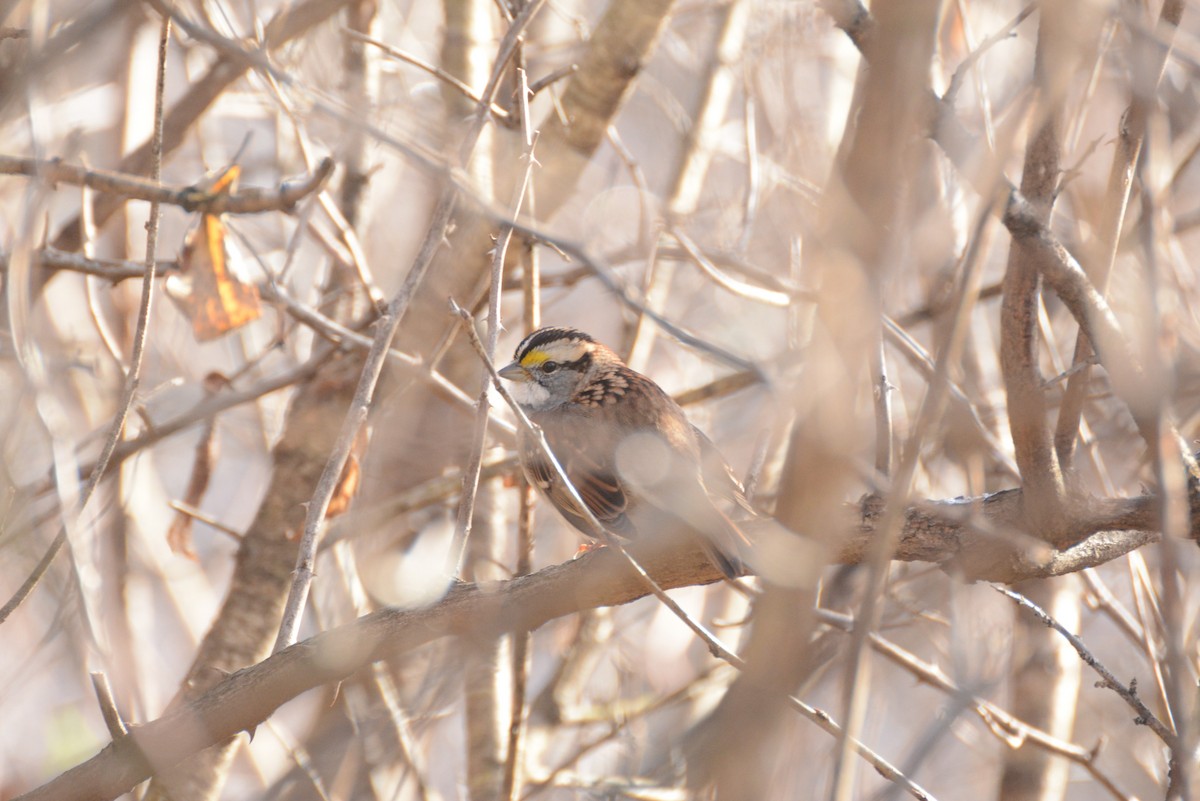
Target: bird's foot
<point>587,547</point>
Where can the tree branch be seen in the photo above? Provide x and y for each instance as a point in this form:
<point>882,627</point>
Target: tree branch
<point>247,201</point>
<point>940,532</point>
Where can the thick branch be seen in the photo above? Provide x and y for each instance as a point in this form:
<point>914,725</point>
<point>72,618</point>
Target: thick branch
<point>245,699</point>
<point>988,538</point>
<point>939,532</point>
<point>1019,341</point>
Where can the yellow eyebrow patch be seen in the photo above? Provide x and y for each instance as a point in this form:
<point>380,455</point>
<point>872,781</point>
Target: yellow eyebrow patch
<point>534,358</point>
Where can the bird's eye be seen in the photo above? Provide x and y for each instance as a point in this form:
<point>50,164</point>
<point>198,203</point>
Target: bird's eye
<point>549,367</point>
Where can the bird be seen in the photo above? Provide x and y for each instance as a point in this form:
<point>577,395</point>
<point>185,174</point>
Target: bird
<point>635,459</point>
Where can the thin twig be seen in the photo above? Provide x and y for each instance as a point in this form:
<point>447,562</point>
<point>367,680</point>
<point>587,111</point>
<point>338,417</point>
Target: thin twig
<point>886,769</point>
<point>1006,32</point>
<point>1149,609</point>
<point>1128,693</point>
<point>504,53</point>
<point>114,270</point>
<point>209,407</point>
<point>202,411</point>
<point>930,311</point>
<point>521,641</point>
<point>353,247</point>
<point>686,693</point>
<point>205,518</point>
<point>753,198</point>
<point>108,706</point>
<point>340,334</point>
<point>470,485</point>
<point>302,760</point>
<point>246,201</point>
<point>758,294</point>
<point>461,183</point>
<point>1000,722</point>
<point>552,77</point>
<point>292,22</point>
<point>891,522</point>
<point>1102,598</point>
<point>437,72</point>
<point>882,397</point>
<point>435,490</point>
<point>919,358</point>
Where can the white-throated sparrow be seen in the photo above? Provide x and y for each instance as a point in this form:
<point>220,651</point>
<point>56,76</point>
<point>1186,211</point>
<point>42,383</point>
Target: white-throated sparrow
<point>630,451</point>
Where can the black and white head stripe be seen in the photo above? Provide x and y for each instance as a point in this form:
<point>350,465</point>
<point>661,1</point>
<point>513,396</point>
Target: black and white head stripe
<point>562,345</point>
<point>544,336</point>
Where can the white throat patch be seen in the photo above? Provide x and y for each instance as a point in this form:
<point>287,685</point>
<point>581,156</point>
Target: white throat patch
<point>531,395</point>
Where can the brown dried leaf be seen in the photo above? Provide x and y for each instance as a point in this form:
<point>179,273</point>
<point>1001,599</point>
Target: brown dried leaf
<point>208,289</point>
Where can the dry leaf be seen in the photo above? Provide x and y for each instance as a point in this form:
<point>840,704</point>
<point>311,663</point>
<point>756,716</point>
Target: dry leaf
<point>348,485</point>
<point>208,288</point>
<point>179,535</point>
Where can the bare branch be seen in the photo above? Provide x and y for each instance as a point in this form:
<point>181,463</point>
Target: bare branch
<point>248,697</point>
<point>245,201</point>
<point>108,707</point>
<point>1128,693</point>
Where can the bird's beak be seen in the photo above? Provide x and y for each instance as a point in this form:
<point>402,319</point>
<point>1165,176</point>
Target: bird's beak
<point>514,372</point>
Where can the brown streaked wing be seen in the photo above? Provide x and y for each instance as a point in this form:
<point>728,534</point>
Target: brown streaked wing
<point>597,485</point>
